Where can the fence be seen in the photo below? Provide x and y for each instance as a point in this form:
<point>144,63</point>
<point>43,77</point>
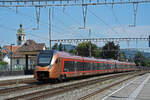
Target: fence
<point>5,70</point>
<point>16,67</point>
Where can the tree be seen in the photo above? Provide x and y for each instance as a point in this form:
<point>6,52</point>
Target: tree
<point>83,49</point>
<point>73,51</point>
<point>64,48</point>
<point>122,56</point>
<point>110,51</point>
<point>140,59</point>
<point>55,47</point>
<point>60,48</point>
<point>3,63</point>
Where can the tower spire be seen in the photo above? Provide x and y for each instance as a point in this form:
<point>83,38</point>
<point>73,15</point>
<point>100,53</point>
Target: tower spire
<point>21,37</point>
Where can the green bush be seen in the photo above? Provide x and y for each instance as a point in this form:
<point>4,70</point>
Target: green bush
<point>3,63</point>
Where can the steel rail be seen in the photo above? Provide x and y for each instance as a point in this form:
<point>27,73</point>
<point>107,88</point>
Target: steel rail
<point>58,90</point>
<point>105,88</point>
<point>20,88</point>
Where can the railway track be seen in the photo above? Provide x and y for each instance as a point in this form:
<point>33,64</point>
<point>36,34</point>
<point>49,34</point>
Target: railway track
<point>17,81</point>
<point>29,85</point>
<point>69,87</point>
<point>105,88</point>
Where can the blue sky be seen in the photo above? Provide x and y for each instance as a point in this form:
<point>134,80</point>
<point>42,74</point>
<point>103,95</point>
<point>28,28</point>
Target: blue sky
<point>65,23</point>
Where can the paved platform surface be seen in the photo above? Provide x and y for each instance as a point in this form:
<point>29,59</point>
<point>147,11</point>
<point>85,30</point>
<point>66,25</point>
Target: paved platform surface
<point>5,78</point>
<point>137,89</point>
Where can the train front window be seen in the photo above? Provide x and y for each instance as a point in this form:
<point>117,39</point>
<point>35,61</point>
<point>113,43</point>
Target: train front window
<point>44,61</point>
<point>44,58</point>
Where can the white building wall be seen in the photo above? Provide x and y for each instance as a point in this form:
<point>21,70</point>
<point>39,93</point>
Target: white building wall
<point>6,59</point>
<point>22,62</point>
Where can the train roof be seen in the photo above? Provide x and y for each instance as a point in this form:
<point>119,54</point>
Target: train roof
<point>70,56</point>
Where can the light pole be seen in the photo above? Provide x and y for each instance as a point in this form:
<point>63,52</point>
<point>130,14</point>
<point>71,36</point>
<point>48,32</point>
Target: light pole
<point>90,48</point>
<point>50,27</point>
<point>11,57</point>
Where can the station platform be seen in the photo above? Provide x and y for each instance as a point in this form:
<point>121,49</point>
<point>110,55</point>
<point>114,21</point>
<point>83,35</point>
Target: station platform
<point>137,89</point>
<point>5,78</point>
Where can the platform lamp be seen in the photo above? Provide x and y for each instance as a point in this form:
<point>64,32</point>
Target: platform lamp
<point>11,57</point>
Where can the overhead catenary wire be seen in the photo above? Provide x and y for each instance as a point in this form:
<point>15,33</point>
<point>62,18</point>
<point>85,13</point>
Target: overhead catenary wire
<point>73,19</point>
<point>56,28</point>
<point>117,20</point>
<point>33,18</point>
<point>101,20</point>
<point>69,15</point>
<point>106,23</point>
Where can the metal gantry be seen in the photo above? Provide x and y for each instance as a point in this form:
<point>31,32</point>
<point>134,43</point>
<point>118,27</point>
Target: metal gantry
<point>46,3</point>
<point>84,3</point>
<point>100,40</point>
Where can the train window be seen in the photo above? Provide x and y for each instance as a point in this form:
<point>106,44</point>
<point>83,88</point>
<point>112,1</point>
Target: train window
<point>80,66</point>
<point>68,66</point>
<point>94,66</point>
<point>108,66</point>
<point>101,66</point>
<point>87,66</point>
<point>119,66</point>
<point>122,66</point>
<point>98,66</point>
<point>105,66</point>
<point>113,66</point>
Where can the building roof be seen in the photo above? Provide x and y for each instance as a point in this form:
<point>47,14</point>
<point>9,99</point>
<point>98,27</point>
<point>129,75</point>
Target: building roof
<point>17,55</point>
<point>28,47</point>
<point>7,49</point>
<point>31,45</point>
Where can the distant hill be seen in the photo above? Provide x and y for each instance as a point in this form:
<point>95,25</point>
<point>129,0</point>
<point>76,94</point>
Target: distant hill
<point>131,53</point>
<point>68,46</point>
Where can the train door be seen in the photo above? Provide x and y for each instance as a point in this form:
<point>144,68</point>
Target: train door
<point>75,68</point>
<point>91,68</point>
<point>115,69</point>
<point>59,64</point>
<point>56,69</point>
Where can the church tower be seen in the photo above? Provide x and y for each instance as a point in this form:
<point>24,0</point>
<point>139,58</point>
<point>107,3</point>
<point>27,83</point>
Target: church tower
<point>21,37</point>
